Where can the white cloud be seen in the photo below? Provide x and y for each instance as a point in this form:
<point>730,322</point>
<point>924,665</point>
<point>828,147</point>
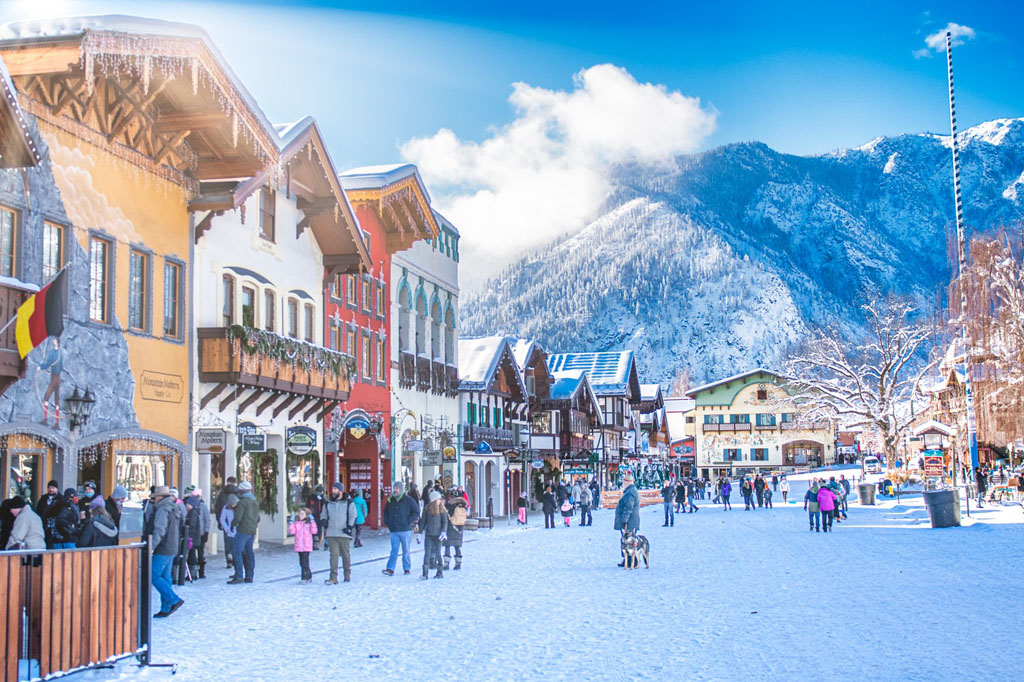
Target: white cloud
<point>545,173</point>
<point>959,34</point>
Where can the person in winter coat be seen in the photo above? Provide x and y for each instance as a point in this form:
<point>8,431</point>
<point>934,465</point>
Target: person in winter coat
<point>7,519</point>
<point>690,493</point>
<point>844,483</point>
<point>434,526</point>
<point>837,490</point>
<point>400,515</point>
<point>197,521</point>
<point>43,506</point>
<point>586,499</point>
<point>747,490</point>
<point>548,506</point>
<point>668,496</point>
<point>304,528</point>
<point>759,486</point>
<point>566,510</point>
<point>457,511</point>
<point>521,508</point>
<point>339,519</point>
<point>811,506</point>
<point>826,505</point>
<point>27,531</point>
<point>362,511</point>
<point>247,519</point>
<point>63,517</point>
<point>724,491</point>
<point>225,519</point>
<point>86,498</point>
<point>627,511</point>
<point>315,505</point>
<point>981,481</point>
<point>680,497</point>
<point>228,490</point>
<point>99,529</point>
<point>163,530</point>
<point>767,497</point>
<point>577,491</point>
<point>784,488</point>
<point>595,492</point>
<point>561,493</point>
<point>775,482</point>
<point>114,504</point>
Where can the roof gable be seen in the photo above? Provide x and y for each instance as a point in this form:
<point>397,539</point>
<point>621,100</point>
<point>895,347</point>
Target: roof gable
<point>481,359</point>
<point>399,197</point>
<point>611,373</point>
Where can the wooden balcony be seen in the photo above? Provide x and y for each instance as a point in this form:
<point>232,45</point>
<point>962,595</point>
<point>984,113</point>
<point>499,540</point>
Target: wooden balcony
<point>438,378</point>
<point>821,425</point>
<point>308,373</point>
<point>422,373</point>
<point>12,367</point>
<point>452,383</point>
<point>406,370</point>
<point>498,439</point>
<point>725,428</point>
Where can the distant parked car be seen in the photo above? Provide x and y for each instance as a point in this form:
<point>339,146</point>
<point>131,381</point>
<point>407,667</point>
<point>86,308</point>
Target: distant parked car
<point>872,465</point>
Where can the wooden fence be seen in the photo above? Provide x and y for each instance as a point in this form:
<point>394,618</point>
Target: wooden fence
<point>73,608</point>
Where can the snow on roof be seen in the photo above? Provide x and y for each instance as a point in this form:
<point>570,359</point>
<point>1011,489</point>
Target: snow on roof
<point>479,360</point>
<point>680,404</point>
<point>16,283</point>
<point>377,177</point>
<point>734,377</point>
<point>676,426</point>
<point>289,132</point>
<point>608,371</point>
<point>932,425</point>
<point>567,384</point>
<point>522,349</point>
<point>440,218</point>
<point>649,391</point>
<point>68,27</point>
<point>17,143</point>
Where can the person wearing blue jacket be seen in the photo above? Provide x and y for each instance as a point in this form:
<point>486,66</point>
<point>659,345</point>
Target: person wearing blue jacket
<point>362,511</point>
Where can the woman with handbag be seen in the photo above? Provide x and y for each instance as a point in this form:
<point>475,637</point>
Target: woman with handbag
<point>457,511</point>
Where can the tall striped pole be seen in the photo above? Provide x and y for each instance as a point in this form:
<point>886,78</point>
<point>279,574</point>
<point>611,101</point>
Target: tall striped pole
<point>972,427</point>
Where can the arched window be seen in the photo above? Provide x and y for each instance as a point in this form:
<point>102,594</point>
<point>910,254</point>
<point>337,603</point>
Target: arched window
<point>449,337</point>
<point>404,309</point>
<point>421,325</point>
<point>436,341</point>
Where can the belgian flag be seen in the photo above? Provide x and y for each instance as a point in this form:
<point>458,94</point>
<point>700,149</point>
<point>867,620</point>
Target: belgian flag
<point>41,316</point>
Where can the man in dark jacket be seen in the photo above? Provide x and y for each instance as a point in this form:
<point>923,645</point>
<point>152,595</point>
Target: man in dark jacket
<point>63,517</point>
<point>114,504</point>
<point>981,481</point>
<point>627,511</point>
<point>218,507</point>
<point>42,507</point>
<point>690,495</point>
<point>163,530</point>
<point>400,515</point>
<point>668,495</point>
<point>759,486</point>
<point>247,518</point>
<point>197,523</point>
<point>548,506</point>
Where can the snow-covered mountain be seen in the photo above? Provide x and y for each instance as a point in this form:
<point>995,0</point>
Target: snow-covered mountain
<point>720,261</point>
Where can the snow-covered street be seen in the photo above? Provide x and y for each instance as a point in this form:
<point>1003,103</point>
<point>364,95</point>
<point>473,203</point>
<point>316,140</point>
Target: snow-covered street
<point>730,596</point>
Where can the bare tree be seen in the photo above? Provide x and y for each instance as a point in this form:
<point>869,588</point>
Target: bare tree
<point>873,384</point>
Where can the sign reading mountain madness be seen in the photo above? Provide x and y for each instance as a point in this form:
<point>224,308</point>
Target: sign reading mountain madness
<point>300,440</point>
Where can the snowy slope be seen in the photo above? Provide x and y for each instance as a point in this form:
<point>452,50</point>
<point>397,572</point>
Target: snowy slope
<point>720,261</point>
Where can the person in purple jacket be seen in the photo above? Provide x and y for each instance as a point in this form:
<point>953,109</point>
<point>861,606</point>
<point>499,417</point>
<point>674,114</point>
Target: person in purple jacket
<point>724,490</point>
<point>826,505</point>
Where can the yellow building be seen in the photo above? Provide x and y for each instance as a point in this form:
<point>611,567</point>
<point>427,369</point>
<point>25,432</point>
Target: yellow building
<point>134,119</point>
<point>743,424</point>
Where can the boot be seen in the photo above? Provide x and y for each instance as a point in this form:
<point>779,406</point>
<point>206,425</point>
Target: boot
<point>447,563</point>
<point>439,574</point>
<point>348,576</point>
<point>424,576</point>
<point>458,564</point>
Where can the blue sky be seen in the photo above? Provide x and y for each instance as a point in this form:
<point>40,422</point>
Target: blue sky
<point>804,77</point>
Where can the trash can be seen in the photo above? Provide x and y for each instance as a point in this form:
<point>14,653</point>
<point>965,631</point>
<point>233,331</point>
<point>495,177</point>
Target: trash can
<point>943,507</point>
<point>866,493</point>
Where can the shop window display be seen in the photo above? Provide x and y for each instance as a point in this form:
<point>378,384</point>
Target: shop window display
<point>137,473</point>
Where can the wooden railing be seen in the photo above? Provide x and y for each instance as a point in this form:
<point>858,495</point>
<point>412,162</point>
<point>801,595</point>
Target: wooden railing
<point>406,369</point>
<point>437,377</point>
<point>12,367</point>
<point>422,373</point>
<point>73,608</point>
<point>314,371</point>
<point>452,383</point>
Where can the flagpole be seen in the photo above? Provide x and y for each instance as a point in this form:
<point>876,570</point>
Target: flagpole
<point>15,317</point>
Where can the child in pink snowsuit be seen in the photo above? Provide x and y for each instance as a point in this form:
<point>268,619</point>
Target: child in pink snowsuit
<point>304,530</point>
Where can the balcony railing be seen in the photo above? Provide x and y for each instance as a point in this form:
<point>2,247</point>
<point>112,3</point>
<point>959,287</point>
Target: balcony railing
<point>729,428</point>
<point>438,378</point>
<point>406,369</point>
<point>452,383</point>
<point>265,360</point>
<point>805,426</point>
<point>422,373</point>
<point>498,439</point>
<point>12,367</point>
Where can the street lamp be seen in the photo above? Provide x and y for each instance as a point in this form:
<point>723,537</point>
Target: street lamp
<point>79,407</point>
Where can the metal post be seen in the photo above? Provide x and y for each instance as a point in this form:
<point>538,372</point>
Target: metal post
<point>145,608</point>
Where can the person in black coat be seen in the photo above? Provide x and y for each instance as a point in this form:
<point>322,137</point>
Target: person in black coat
<point>759,486</point>
<point>680,497</point>
<point>63,517</point>
<point>6,521</point>
<point>562,493</point>
<point>98,530</point>
<point>548,506</point>
<point>43,506</point>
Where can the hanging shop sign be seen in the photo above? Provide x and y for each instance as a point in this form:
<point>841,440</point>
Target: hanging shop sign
<point>414,446</point>
<point>449,454</point>
<point>254,442</point>
<point>358,427</point>
<point>484,448</point>
<point>448,481</point>
<point>537,464</point>
<point>300,440</point>
<point>211,441</point>
<point>245,428</point>
<point>431,458</point>
<point>578,470</point>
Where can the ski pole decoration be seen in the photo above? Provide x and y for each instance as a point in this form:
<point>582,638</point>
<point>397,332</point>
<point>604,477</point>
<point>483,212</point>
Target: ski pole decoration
<point>972,427</point>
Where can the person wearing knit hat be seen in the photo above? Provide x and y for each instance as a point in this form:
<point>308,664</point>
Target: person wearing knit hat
<point>339,519</point>
<point>245,522</point>
<point>627,511</point>
<point>245,486</point>
<point>45,511</point>
<point>27,532</point>
<point>114,503</point>
<point>97,502</point>
<point>434,525</point>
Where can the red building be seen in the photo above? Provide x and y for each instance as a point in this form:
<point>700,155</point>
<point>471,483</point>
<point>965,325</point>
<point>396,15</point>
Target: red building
<point>393,209</point>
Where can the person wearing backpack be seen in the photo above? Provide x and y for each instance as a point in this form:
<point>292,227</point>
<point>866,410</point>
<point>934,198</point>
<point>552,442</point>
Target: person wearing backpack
<point>339,520</point>
<point>457,512</point>
<point>566,511</point>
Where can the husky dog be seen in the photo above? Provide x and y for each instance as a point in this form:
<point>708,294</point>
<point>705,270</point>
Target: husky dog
<point>633,547</point>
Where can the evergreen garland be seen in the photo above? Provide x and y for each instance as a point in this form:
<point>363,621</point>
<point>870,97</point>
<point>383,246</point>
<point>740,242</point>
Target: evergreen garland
<point>290,351</point>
